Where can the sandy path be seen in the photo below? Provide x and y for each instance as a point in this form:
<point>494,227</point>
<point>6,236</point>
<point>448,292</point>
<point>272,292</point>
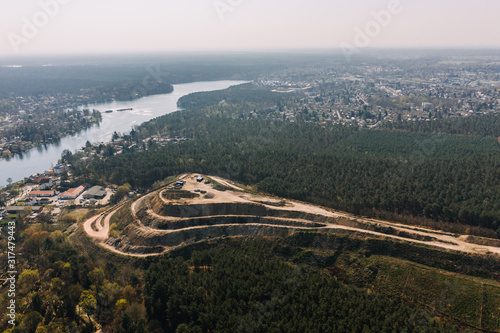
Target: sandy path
<point>87,226</point>
<point>443,238</point>
<point>101,235</point>
<point>101,223</point>
<point>226,183</point>
<point>440,239</point>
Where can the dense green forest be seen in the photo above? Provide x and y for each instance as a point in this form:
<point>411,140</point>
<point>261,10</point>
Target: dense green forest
<point>72,75</point>
<point>487,125</point>
<point>245,93</point>
<point>230,291</point>
<point>383,173</point>
<point>306,282</point>
<point>58,80</point>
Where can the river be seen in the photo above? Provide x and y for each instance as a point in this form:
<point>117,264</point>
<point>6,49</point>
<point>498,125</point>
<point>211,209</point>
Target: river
<point>42,158</point>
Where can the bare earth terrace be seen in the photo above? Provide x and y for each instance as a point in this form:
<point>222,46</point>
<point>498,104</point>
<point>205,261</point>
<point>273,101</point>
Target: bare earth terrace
<point>172,217</point>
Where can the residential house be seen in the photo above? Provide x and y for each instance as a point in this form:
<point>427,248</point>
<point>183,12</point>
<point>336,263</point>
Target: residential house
<point>45,184</point>
<point>30,201</point>
<point>60,169</point>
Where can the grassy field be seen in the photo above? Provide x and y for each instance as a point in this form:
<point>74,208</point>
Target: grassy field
<point>75,215</point>
<point>467,299</point>
<point>120,220</point>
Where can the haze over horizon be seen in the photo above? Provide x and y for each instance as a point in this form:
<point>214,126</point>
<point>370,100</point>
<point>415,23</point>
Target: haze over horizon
<point>94,27</point>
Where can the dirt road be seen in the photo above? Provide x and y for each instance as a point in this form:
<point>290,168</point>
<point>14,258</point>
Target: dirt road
<point>101,222</point>
<point>97,227</point>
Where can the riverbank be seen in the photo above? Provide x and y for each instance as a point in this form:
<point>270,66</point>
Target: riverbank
<point>144,109</point>
<point>45,131</point>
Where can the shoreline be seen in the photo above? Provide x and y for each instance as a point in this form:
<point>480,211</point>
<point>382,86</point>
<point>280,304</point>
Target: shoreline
<point>70,142</point>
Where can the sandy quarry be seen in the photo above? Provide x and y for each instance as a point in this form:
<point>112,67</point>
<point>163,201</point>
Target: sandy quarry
<point>163,224</point>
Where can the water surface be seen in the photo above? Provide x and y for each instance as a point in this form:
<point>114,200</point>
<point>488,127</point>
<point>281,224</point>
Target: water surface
<point>42,158</point>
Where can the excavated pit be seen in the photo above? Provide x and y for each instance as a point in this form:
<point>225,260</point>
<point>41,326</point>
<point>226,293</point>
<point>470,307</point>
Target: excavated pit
<point>181,224</point>
<point>231,219</point>
<point>135,237</point>
<point>183,211</point>
<point>171,225</point>
<point>178,216</point>
<point>169,218</point>
<point>199,210</point>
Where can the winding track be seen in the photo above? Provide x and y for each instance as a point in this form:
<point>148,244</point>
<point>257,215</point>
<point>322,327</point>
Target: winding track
<point>439,239</point>
<point>101,221</point>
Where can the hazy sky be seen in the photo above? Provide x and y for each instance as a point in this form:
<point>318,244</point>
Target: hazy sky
<point>114,26</point>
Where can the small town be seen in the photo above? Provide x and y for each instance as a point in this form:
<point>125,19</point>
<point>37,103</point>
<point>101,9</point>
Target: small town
<point>374,93</point>
<point>41,197</point>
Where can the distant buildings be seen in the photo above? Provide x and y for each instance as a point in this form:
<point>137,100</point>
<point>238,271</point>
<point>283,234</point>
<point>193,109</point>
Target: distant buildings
<point>427,106</point>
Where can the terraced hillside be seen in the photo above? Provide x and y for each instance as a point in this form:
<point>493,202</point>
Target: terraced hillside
<point>214,208</point>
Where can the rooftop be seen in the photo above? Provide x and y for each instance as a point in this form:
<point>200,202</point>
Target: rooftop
<point>41,192</point>
<point>73,192</point>
<point>96,191</point>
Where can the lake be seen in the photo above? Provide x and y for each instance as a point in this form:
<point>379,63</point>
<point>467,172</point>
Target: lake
<point>42,158</point>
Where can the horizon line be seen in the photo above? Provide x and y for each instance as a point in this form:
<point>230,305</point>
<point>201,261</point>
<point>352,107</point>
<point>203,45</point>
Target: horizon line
<point>255,51</point>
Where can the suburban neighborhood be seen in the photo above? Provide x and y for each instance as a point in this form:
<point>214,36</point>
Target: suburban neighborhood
<point>47,193</point>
